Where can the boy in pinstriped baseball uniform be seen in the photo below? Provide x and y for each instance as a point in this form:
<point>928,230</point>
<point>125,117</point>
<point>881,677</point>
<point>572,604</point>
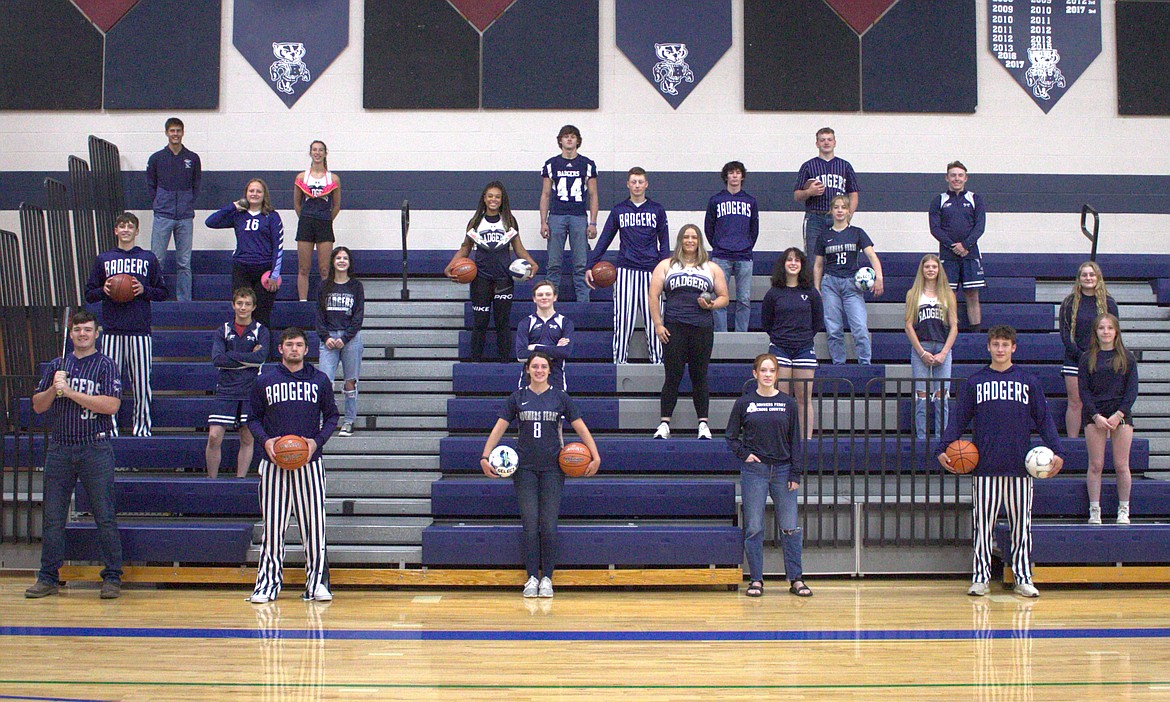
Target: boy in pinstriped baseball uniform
<point>820,179</point>
<point>126,325</point>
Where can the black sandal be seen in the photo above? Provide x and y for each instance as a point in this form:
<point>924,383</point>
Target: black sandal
<point>801,591</point>
<point>755,589</point>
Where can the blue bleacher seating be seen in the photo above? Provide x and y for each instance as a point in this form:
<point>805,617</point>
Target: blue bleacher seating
<point>211,542</point>
<point>1062,497</point>
<point>479,498</point>
<point>181,496</point>
<point>160,452</point>
<point>1076,544</point>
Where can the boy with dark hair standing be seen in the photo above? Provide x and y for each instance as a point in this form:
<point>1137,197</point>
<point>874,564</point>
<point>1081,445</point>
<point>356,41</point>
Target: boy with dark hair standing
<point>572,177</point>
<point>238,349</point>
<point>821,179</point>
<point>173,175</point>
<point>1006,404</point>
<point>732,228</point>
<point>126,325</point>
<point>957,220</point>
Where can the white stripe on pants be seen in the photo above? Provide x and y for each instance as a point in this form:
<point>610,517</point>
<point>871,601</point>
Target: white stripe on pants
<point>988,492</point>
<point>134,353</point>
<point>629,300</point>
<point>303,490</point>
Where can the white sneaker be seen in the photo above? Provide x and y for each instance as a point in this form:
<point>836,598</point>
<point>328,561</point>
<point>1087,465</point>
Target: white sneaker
<point>978,589</point>
<point>546,587</point>
<point>704,431</point>
<point>1123,514</point>
<point>663,431</point>
<point>321,594</point>
<point>259,598</point>
<point>1094,514</point>
<point>1026,590</point>
<point>346,429</point>
<point>531,587</point>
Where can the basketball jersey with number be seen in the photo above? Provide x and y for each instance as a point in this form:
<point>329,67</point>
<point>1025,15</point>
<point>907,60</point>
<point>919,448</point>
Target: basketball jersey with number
<point>570,183</point>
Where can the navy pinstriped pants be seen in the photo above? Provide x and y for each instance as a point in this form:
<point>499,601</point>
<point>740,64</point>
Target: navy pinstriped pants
<point>302,490</point>
<point>988,492</point>
<point>133,354</point>
<point>629,300</point>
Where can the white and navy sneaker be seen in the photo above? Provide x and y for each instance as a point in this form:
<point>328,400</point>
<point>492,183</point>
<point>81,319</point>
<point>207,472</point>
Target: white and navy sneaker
<point>260,598</point>
<point>531,588</point>
<point>346,429</point>
<point>663,431</point>
<point>704,431</point>
<point>546,589</point>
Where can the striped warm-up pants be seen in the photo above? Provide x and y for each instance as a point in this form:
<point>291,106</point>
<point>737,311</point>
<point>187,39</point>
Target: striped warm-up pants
<point>988,492</point>
<point>132,354</point>
<point>303,490</point>
<point>629,300</point>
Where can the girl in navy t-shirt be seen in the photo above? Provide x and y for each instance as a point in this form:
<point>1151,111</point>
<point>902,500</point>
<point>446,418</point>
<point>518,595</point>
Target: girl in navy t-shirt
<point>792,314</point>
<point>839,255</point>
<point>1108,383</point>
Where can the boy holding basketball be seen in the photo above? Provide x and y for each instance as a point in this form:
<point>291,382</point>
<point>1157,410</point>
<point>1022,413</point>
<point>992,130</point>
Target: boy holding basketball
<point>126,325</point>
<point>292,397</point>
<point>238,349</point>
<point>1006,404</point>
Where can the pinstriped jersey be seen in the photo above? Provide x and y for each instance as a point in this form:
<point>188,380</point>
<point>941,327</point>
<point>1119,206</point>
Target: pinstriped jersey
<point>69,422</point>
<point>835,174</point>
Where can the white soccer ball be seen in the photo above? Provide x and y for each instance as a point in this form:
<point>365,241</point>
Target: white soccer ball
<point>504,460</point>
<point>864,279</point>
<point>520,269</point>
<point>1039,461</point>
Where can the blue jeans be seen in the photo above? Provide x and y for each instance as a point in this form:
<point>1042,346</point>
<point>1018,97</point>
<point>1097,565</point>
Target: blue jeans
<point>539,494</point>
<point>942,408</point>
<point>573,228</point>
<point>93,465</point>
<point>756,481</point>
<point>350,357</point>
<point>160,238</point>
<point>814,224</point>
<point>842,300</point>
<point>742,270</point>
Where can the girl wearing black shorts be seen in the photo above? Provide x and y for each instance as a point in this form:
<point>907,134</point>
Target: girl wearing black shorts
<point>317,200</point>
<point>1108,382</point>
<point>792,314</point>
<point>259,252</point>
<point>1088,300</point>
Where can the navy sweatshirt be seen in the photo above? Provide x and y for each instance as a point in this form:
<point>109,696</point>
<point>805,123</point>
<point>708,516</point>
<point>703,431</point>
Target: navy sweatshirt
<point>732,225</point>
<point>792,316</point>
<point>126,317</point>
<point>300,403</point>
<point>957,218</point>
<point>1078,343</point>
<point>238,364</point>
<point>341,307</point>
<point>644,233</point>
<point>173,182</point>
<point>1103,391</point>
<point>259,236</point>
<point>768,427</point>
<point>1006,406</point>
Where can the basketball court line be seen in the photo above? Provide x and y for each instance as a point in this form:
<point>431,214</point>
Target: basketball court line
<point>48,699</point>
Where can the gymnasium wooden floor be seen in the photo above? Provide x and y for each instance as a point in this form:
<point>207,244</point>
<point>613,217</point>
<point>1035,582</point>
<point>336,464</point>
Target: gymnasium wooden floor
<point>855,640</point>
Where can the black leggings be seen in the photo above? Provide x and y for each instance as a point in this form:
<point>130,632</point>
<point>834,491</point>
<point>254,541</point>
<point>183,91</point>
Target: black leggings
<point>248,276</point>
<point>491,298</point>
<point>688,346</point>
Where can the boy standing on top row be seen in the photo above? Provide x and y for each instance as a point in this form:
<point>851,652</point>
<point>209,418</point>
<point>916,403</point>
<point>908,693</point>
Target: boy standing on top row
<point>566,180</point>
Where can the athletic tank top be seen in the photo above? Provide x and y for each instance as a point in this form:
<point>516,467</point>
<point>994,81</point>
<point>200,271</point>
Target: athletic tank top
<point>682,288</point>
<point>930,324</point>
<point>493,247</point>
<point>318,202</point>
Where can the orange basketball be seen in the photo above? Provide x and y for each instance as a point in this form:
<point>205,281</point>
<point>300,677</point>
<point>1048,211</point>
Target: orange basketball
<point>121,287</point>
<point>464,270</point>
<point>291,452</point>
<point>964,456</point>
<point>604,274</point>
<point>575,459</point>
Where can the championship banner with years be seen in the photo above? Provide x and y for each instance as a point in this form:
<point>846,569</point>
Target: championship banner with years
<point>290,43</point>
<point>1045,44</point>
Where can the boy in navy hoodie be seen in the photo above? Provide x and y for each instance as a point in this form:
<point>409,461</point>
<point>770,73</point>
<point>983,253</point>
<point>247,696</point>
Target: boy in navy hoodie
<point>238,350</point>
<point>173,175</point>
<point>1006,404</point>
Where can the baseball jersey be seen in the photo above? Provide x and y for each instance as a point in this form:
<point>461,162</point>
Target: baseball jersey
<point>131,317</point>
<point>682,287</point>
<point>768,427</point>
<point>493,247</point>
<point>540,417</point>
<point>792,316</point>
<point>957,218</point>
<point>238,364</point>
<point>259,236</point>
<point>70,423</point>
<point>836,175</point>
<point>570,183</point>
<point>732,225</point>
<point>644,232</point>
<point>341,307</point>
<point>300,403</point>
<point>843,250</point>
<point>930,322</point>
<point>318,192</point>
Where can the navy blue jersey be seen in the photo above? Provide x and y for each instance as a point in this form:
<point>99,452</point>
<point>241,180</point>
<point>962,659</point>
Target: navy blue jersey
<point>682,287</point>
<point>69,422</point>
<point>1104,391</point>
<point>232,353</point>
<point>341,307</point>
<point>1076,340</point>
<point>644,233</point>
<point>835,174</point>
<point>540,425</point>
<point>1006,406</point>
<point>544,335</point>
<point>957,218</point>
<point>732,225</point>
<point>172,181</point>
<point>259,236</point>
<point>768,427</point>
<point>792,316</point>
<point>131,317</point>
<point>300,403</point>
<point>318,192</point>
<point>930,322</point>
<point>493,247</point>
<point>843,251</point>
<point>570,183</point>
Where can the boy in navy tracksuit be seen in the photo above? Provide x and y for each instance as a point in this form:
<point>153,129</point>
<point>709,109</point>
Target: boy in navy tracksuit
<point>292,397</point>
<point>732,228</point>
<point>645,242</point>
<point>126,325</point>
<point>1006,404</point>
<point>957,220</point>
<point>238,349</point>
<point>173,175</point>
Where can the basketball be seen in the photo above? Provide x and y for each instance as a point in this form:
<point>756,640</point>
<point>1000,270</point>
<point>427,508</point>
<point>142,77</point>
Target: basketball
<point>964,456</point>
<point>604,274</point>
<point>1038,462</point>
<point>464,271</point>
<point>121,287</point>
<point>575,459</point>
<point>291,452</point>
<point>504,460</point>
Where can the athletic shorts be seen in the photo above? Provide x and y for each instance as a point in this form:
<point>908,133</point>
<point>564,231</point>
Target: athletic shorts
<point>1105,410</point>
<point>315,230</point>
<point>965,273</point>
<point>229,412</point>
<point>800,359</point>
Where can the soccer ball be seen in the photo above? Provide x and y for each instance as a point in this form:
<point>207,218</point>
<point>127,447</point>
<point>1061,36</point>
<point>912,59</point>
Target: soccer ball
<point>520,269</point>
<point>864,279</point>
<point>1039,461</point>
<point>504,460</point>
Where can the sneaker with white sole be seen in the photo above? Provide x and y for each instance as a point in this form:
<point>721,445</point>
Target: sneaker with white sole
<point>546,587</point>
<point>1094,514</point>
<point>704,431</point>
<point>346,429</point>
<point>978,589</point>
<point>1123,514</point>
<point>663,431</point>
<point>321,594</point>
<point>259,598</point>
<point>1026,590</point>
<point>532,587</point>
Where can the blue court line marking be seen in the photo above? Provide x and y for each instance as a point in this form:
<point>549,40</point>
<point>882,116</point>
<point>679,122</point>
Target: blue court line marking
<point>512,635</point>
<point>49,699</point>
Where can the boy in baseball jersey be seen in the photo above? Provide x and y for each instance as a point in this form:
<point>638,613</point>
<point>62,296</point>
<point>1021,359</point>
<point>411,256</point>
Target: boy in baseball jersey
<point>566,181</point>
<point>821,179</point>
<point>238,349</point>
<point>957,220</point>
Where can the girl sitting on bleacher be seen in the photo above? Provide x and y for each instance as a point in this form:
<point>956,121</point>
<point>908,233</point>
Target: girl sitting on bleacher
<point>1088,299</point>
<point>932,325</point>
<point>547,331</point>
<point>1108,381</point>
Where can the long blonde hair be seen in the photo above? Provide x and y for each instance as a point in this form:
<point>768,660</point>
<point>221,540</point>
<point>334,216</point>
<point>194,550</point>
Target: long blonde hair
<point>700,254</point>
<point>942,290</point>
<point>1120,357</point>
<point>1074,298</point>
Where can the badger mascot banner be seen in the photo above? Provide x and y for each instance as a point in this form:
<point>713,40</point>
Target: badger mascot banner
<point>674,44</point>
<point>290,43</point>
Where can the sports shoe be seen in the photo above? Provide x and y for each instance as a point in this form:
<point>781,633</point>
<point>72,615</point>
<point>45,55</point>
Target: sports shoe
<point>546,587</point>
<point>978,589</point>
<point>663,431</point>
<point>321,594</point>
<point>1123,514</point>
<point>41,589</point>
<point>1026,590</point>
<point>259,598</point>
<point>111,589</point>
<point>531,587</point>
<point>704,431</point>
<point>346,429</point>
<point>1094,514</point>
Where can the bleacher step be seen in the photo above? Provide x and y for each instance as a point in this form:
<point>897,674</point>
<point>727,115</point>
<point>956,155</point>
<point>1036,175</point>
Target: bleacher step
<point>381,484</point>
<point>1124,292</point>
<point>369,506</point>
<point>359,530</point>
<point>352,554</point>
<point>405,370</point>
<point>422,442</point>
<point>379,462</point>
